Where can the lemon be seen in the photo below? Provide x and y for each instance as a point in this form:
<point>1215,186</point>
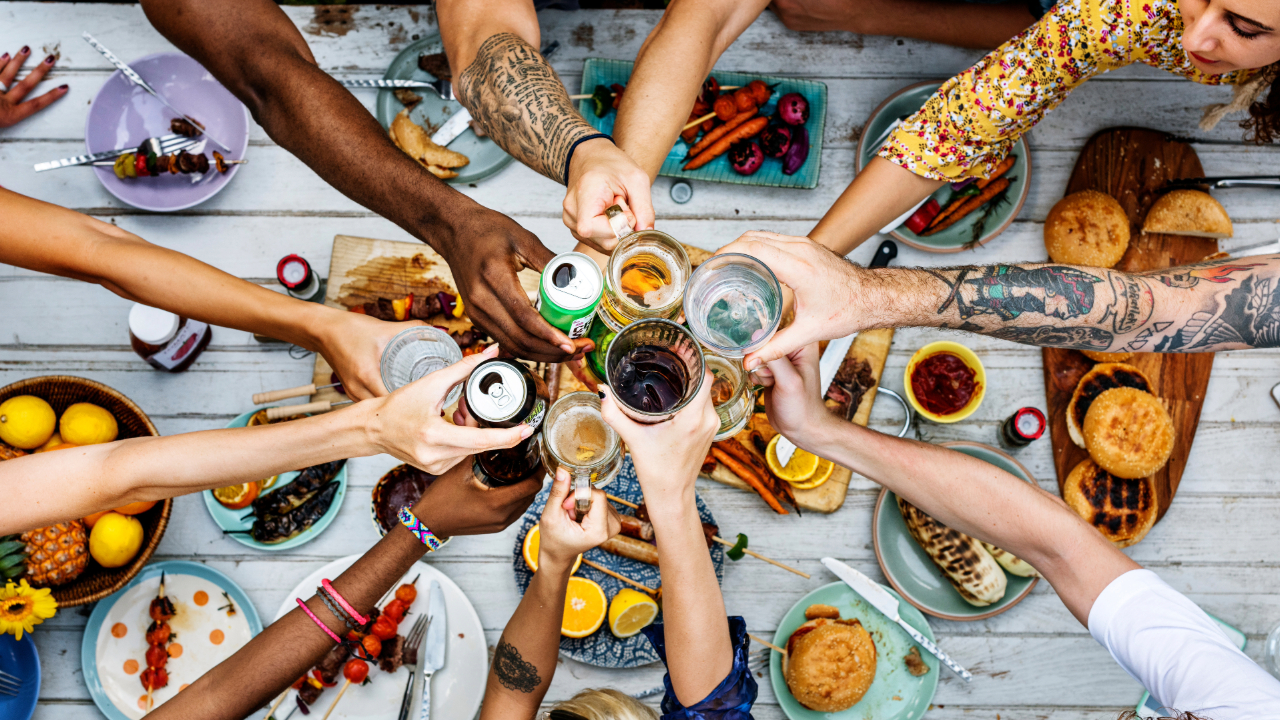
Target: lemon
<point>530,551</point>
<point>54,441</point>
<point>821,475</point>
<point>630,612</point>
<point>802,466</point>
<point>115,539</point>
<point>87,424</point>
<point>26,421</point>
<point>584,608</point>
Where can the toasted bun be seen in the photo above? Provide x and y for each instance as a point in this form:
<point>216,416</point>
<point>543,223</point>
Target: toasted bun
<point>1128,432</point>
<point>1188,212</point>
<point>830,667</point>
<point>1087,228</point>
<point>821,611</point>
<point>1106,357</point>
<point>1123,510</point>
<point>1099,379</point>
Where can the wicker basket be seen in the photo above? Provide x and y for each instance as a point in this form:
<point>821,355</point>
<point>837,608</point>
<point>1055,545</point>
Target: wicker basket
<point>62,391</point>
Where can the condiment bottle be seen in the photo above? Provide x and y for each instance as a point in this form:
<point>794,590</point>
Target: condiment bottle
<point>167,341</point>
<point>1022,428</point>
<point>297,277</point>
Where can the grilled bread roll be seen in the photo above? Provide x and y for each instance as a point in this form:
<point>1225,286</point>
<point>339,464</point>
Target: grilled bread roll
<point>962,559</point>
<point>1188,212</point>
<point>1123,510</point>
<point>1099,379</point>
<point>1107,357</point>
<point>829,664</point>
<point>1010,562</point>
<point>1087,228</point>
<point>1128,432</point>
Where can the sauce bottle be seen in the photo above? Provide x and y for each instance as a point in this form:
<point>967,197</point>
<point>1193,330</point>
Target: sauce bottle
<point>168,342</point>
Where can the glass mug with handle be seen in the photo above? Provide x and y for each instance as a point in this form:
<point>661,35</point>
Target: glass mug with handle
<point>576,437</point>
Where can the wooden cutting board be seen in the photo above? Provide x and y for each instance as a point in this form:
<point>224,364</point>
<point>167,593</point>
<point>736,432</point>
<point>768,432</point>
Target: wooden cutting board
<point>1132,165</point>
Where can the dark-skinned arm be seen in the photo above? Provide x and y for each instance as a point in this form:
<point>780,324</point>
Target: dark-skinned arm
<point>253,49</point>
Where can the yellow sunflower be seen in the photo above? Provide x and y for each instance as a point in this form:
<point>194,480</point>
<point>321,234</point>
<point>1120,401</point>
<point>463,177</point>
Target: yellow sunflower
<point>22,607</point>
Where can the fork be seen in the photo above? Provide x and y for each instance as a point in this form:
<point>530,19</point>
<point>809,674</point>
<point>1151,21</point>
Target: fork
<point>443,88</point>
<point>412,653</point>
<point>168,144</point>
<point>9,684</point>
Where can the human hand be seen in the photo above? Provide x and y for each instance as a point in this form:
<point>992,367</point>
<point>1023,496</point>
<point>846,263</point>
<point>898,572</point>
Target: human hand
<point>600,176</point>
<point>828,298</point>
<point>794,400</point>
<point>667,455</point>
<point>561,537</point>
<point>409,423</point>
<point>485,250</point>
<point>457,504</point>
<point>352,344</point>
<point>12,107</point>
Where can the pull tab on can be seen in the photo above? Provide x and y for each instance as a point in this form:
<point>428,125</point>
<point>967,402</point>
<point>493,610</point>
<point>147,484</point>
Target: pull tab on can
<point>622,227</point>
<point>569,291</point>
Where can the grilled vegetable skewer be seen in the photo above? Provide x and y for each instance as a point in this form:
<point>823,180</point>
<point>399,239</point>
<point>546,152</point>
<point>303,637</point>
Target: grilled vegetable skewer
<point>271,529</point>
<point>159,636</point>
<point>283,499</point>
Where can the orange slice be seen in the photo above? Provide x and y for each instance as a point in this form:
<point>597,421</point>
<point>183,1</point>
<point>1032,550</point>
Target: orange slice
<point>236,497</point>
<point>585,607</point>
<point>530,551</point>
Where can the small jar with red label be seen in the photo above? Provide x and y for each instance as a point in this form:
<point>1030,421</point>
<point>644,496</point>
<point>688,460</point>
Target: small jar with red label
<point>167,341</point>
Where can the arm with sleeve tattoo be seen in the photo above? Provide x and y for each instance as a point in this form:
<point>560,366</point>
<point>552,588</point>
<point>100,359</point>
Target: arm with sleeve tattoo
<point>1217,305</point>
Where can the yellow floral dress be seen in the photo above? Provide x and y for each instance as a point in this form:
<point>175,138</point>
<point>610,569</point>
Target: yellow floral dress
<point>974,119</point>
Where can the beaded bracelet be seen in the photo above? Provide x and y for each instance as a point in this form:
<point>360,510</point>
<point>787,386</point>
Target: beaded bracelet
<point>315,619</point>
<point>415,526</point>
<point>335,609</point>
<point>343,602</point>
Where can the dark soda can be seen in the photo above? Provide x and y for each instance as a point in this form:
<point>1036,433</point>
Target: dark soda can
<point>504,394</point>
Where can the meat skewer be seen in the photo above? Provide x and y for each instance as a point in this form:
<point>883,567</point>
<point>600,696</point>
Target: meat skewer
<point>618,576</point>
<point>158,638</point>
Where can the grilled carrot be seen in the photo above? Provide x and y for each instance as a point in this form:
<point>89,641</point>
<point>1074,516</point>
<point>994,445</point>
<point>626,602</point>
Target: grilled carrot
<point>956,203</point>
<point>779,487</point>
<point>1005,166</point>
<point>970,205</point>
<point>721,146</point>
<point>748,475</point>
<point>709,139</point>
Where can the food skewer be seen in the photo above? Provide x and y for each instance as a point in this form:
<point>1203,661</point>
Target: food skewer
<point>589,96</point>
<point>767,644</point>
<point>621,577</point>
<point>263,398</point>
<point>274,706</point>
<point>354,671</point>
<point>160,611</point>
<point>699,121</point>
<point>285,411</point>
<point>722,541</point>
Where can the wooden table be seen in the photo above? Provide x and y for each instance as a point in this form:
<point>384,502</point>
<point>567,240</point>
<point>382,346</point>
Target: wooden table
<point>1218,543</point>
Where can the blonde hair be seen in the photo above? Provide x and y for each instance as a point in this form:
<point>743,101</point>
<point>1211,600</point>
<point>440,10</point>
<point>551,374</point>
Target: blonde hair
<point>605,704</point>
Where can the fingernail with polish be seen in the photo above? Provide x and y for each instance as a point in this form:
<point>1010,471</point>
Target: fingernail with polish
<point>49,60</point>
<point>4,57</point>
<point>25,50</point>
<point>64,87</point>
<point>600,393</point>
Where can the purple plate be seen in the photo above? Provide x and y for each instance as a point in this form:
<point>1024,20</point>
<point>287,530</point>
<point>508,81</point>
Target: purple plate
<point>123,115</point>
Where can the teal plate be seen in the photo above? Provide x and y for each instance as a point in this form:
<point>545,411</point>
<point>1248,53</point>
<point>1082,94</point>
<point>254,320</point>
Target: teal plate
<point>232,519</point>
<point>150,573</point>
<point>598,71</point>
<point>915,576</point>
<point>895,694</point>
<point>959,236</point>
<point>487,159</point>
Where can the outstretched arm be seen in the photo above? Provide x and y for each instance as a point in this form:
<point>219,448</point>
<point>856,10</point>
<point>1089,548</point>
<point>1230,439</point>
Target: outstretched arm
<point>959,491</point>
<point>513,92</point>
<point>253,49</point>
<point>1205,307</point>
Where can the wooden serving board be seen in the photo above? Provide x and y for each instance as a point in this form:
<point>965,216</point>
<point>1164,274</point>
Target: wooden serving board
<point>1132,165</point>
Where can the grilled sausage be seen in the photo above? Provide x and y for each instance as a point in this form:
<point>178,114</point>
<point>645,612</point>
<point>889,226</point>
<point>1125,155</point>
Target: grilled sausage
<point>631,548</point>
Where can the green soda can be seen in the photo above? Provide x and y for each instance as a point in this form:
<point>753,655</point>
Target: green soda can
<point>569,291</point>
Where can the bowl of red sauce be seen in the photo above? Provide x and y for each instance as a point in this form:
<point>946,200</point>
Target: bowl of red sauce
<point>945,381</point>
<point>402,486</point>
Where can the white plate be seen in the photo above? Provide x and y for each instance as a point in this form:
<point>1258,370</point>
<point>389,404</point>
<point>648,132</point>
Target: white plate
<point>456,690</point>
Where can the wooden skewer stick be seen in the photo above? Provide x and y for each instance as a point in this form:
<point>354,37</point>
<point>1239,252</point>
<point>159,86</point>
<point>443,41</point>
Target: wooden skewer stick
<point>699,121</point>
<point>588,97</point>
<point>623,578</point>
<point>767,644</point>
<point>346,684</point>
<point>270,396</point>
<point>724,542</point>
<point>279,700</point>
<point>318,406</point>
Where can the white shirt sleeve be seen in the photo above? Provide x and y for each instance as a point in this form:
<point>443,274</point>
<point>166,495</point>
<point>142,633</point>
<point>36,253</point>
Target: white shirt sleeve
<point>1167,643</point>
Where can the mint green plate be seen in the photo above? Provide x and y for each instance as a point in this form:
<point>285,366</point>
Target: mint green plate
<point>915,576</point>
<point>487,159</point>
<point>895,694</point>
<point>599,71</point>
<point>905,103</point>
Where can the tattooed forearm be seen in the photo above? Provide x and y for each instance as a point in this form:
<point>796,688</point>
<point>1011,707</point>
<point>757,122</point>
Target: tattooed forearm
<point>514,94</point>
<point>513,671</point>
<point>1205,307</point>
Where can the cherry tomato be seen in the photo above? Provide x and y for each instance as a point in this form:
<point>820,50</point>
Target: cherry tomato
<point>356,670</point>
<point>140,165</point>
<point>158,633</point>
<point>407,593</point>
<point>355,636</point>
<point>157,656</point>
<point>384,629</point>
<point>372,645</point>
<point>154,678</point>
<point>395,610</point>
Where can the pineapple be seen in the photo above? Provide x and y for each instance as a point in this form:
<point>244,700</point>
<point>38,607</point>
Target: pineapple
<point>56,554</point>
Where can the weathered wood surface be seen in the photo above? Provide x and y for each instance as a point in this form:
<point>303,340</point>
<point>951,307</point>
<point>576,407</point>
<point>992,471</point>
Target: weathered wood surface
<point>1218,542</point>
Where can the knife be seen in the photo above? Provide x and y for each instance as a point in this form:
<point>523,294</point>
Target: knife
<point>833,356</point>
<point>887,604</point>
<point>1266,248</point>
<point>1229,181</point>
<point>130,73</point>
<point>433,650</point>
<point>460,120</point>
<point>361,83</point>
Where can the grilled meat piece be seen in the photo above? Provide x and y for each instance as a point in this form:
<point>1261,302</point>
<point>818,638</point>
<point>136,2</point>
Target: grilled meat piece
<point>181,126</point>
<point>437,64</point>
<point>852,381</point>
<point>424,306</point>
<point>392,656</point>
<point>407,97</point>
<point>308,694</point>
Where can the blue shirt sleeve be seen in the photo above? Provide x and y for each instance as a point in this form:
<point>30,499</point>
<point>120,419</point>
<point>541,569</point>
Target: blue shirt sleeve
<point>733,697</point>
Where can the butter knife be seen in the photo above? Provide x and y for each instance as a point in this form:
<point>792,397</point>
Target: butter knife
<point>433,650</point>
<point>461,120</point>
<point>887,604</point>
<point>360,83</point>
<point>833,356</point>
<point>133,76</point>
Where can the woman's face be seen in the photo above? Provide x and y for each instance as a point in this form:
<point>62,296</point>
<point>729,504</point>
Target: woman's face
<point>1221,36</point>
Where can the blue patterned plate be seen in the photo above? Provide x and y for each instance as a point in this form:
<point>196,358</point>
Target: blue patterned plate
<point>19,659</point>
<point>601,648</point>
<point>598,71</point>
